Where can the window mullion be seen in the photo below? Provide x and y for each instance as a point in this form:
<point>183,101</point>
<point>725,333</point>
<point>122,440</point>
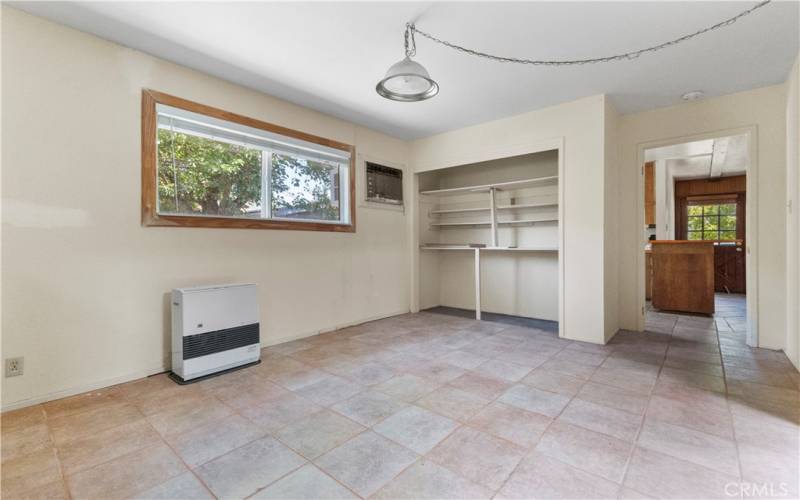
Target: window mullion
<point>344,194</point>
<point>266,184</point>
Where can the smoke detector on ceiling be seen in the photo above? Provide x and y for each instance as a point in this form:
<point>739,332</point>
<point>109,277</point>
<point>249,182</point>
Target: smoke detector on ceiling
<point>693,95</point>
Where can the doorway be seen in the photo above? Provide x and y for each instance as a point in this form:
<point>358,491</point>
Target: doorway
<point>698,192</point>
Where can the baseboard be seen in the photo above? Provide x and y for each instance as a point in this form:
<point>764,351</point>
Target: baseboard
<point>289,338</point>
<point>102,384</point>
<point>166,367</point>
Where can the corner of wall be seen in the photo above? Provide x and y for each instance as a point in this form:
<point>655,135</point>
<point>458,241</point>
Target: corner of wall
<point>611,219</point>
<point>792,339</point>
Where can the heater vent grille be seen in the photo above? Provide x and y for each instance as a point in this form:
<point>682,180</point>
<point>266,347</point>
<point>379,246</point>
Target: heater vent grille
<point>203,344</point>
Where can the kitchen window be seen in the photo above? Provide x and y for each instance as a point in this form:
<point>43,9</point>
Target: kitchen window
<point>205,167</point>
<point>711,221</point>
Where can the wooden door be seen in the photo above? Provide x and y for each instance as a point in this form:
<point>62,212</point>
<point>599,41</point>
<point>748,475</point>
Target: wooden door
<point>729,268</point>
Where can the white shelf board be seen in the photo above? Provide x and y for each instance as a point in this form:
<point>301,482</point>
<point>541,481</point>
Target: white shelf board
<point>525,221</point>
<point>490,249</point>
<point>460,210</point>
<point>526,205</point>
<point>501,186</point>
<point>521,249</point>
<point>460,224</point>
<point>488,223</point>
<point>486,209</point>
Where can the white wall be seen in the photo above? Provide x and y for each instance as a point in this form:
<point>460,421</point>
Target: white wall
<point>665,199</point>
<point>793,215</point>
<point>581,125</point>
<point>763,108</point>
<point>84,284</point>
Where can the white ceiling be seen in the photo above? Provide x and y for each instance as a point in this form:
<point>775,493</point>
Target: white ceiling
<point>720,157</point>
<point>329,55</point>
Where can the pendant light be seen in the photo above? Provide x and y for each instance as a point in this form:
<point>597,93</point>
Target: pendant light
<point>407,80</point>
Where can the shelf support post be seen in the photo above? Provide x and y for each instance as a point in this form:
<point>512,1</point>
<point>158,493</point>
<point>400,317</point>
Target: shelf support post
<point>477,284</point>
<point>493,208</point>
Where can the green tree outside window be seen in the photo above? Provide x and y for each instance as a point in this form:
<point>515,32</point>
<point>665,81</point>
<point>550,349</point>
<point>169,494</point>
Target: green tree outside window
<point>711,222</point>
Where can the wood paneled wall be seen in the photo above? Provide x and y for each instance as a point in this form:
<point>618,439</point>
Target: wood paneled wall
<point>701,187</point>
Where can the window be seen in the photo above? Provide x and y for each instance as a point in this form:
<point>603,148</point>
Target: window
<point>711,221</point>
<point>384,184</point>
<point>205,167</point>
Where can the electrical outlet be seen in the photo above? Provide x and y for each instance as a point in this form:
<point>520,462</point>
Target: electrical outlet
<point>15,366</point>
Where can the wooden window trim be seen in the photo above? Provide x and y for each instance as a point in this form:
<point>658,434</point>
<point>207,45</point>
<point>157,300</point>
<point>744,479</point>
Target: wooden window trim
<point>150,215</point>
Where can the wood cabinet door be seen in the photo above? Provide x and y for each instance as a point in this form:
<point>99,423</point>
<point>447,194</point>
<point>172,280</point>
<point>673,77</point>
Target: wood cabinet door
<point>649,193</point>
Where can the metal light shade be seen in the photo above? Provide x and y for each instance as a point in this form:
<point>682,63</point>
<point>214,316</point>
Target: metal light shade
<point>407,81</point>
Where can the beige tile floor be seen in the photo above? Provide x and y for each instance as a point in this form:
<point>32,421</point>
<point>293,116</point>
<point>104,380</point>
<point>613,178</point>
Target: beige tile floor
<point>434,406</point>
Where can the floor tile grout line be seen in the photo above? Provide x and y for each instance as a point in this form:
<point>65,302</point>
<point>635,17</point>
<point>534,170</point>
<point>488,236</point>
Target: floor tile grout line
<point>307,460</point>
<point>57,457</point>
<point>164,441</point>
<point>461,424</point>
<point>188,468</point>
<point>643,417</point>
<point>56,447</point>
<point>420,457</point>
<point>544,432</point>
<point>730,412</point>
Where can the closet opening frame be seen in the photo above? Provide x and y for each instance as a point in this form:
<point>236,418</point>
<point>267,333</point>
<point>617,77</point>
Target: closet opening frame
<point>477,156</point>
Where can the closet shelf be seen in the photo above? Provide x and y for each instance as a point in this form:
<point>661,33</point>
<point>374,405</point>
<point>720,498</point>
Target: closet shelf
<point>486,209</point>
<point>489,223</point>
<point>459,210</point>
<point>525,221</point>
<point>500,186</point>
<point>490,249</point>
<point>526,205</point>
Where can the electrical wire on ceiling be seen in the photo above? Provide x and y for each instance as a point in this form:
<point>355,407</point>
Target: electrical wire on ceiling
<point>409,81</point>
<point>410,27</point>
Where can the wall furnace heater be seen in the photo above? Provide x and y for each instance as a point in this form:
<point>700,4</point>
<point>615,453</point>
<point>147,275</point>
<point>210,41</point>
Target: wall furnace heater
<point>214,329</point>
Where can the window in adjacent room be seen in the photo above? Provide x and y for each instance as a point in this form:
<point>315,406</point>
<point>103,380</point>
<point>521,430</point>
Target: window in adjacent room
<point>711,221</point>
<point>217,169</point>
<point>384,184</point>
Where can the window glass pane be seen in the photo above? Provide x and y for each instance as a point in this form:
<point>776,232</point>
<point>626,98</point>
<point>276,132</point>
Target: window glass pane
<point>695,210</point>
<point>201,176</point>
<point>695,223</point>
<point>727,209</point>
<point>695,235</point>
<point>711,223</point>
<point>727,235</point>
<point>304,189</point>
<point>710,235</point>
<point>728,222</point>
<point>710,209</point>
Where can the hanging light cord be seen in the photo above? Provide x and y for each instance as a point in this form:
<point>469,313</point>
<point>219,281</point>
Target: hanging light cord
<point>411,48</point>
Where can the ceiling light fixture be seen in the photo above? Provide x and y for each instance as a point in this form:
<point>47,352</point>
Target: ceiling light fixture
<point>409,81</point>
<point>693,95</point>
